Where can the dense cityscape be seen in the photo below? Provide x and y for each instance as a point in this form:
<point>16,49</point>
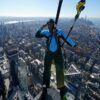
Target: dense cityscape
<point>22,60</point>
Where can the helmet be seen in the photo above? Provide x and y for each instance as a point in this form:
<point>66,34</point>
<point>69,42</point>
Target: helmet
<point>51,21</point>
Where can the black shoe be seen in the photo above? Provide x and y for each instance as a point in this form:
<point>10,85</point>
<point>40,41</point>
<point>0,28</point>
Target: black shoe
<point>43,95</point>
<point>63,92</point>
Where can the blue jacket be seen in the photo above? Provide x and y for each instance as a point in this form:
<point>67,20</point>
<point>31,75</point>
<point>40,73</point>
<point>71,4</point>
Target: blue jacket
<point>54,44</point>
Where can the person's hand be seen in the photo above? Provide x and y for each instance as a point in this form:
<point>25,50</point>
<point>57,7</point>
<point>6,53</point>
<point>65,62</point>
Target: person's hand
<point>78,49</point>
<point>80,6</point>
<point>43,26</point>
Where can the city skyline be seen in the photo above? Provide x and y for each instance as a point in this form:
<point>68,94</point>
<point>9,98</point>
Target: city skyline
<point>45,8</point>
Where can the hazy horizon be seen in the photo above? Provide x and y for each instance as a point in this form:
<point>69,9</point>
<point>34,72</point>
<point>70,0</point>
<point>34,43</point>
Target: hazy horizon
<point>13,19</point>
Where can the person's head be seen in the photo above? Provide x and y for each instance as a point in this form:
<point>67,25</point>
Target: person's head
<point>51,24</point>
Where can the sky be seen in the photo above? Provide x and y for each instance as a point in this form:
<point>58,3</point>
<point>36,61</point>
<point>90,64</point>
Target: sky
<point>47,8</point>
